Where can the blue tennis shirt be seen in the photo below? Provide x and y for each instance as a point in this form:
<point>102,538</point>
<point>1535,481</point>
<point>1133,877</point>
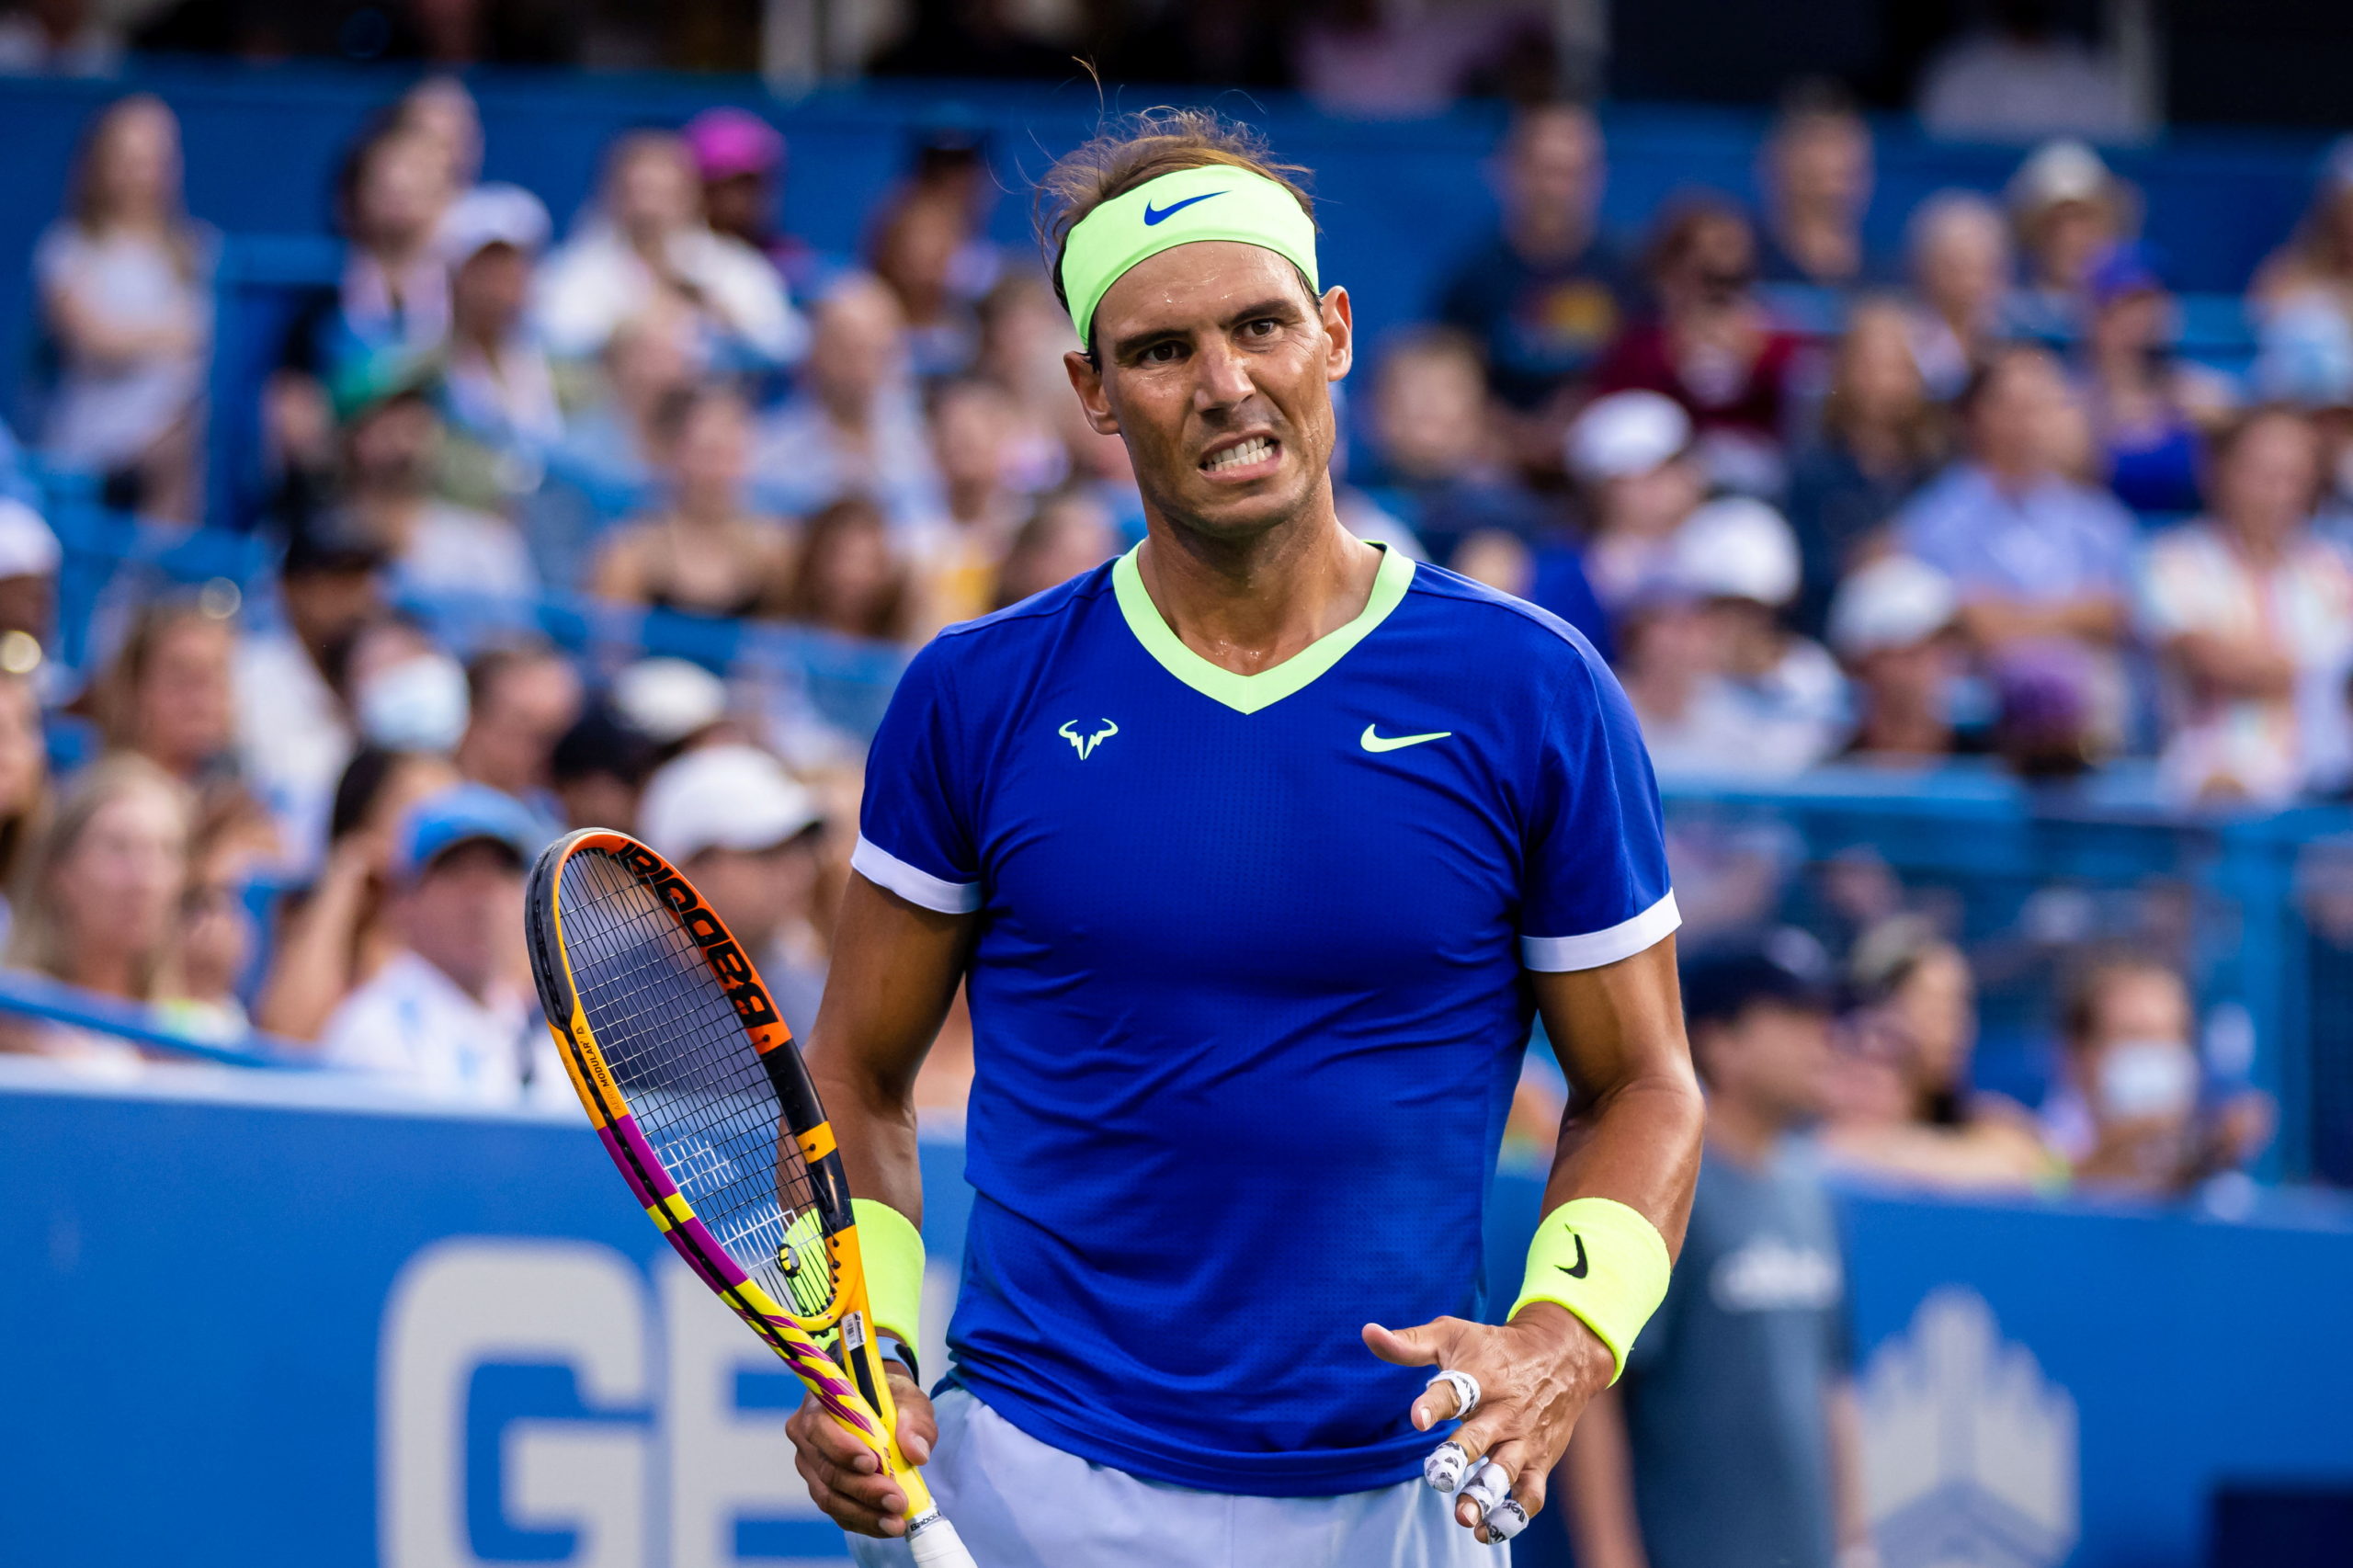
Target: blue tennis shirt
<point>1248,995</point>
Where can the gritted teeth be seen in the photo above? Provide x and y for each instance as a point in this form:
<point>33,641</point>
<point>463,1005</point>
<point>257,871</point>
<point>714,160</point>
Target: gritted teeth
<point>1255,449</point>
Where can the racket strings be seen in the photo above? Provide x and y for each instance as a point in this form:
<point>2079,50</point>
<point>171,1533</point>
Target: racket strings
<point>678,1050</point>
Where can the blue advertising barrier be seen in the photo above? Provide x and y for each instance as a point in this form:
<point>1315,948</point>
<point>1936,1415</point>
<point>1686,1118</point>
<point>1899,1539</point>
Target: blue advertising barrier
<point>261,1320</point>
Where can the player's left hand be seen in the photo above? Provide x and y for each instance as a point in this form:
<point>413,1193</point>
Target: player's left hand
<point>1536,1374</point>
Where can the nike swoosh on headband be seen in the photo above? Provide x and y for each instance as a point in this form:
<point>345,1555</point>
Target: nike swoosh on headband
<point>1152,215</point>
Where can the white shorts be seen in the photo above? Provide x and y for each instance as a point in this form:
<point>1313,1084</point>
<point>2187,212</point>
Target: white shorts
<point>1019,1503</point>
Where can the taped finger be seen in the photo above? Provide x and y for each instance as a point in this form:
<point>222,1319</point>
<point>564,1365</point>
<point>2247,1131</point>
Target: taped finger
<point>1487,1486</point>
<point>1506,1519</point>
<point>1446,1467</point>
<point>1466,1395</point>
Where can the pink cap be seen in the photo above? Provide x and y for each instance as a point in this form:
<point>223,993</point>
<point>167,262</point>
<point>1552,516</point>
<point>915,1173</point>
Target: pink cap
<point>730,141</point>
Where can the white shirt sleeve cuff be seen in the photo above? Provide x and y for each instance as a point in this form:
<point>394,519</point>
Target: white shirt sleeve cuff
<point>1595,948</point>
<point>884,870</point>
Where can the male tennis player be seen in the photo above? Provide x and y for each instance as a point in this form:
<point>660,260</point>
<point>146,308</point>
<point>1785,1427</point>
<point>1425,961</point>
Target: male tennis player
<point>1257,849</point>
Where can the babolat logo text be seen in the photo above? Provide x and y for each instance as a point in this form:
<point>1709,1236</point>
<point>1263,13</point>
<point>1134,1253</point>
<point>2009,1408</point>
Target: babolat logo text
<point>719,950</point>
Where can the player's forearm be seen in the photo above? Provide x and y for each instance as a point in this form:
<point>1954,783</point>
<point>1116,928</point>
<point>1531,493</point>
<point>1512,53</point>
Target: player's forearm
<point>894,971</point>
<point>1634,1128</point>
<point>1637,1142</point>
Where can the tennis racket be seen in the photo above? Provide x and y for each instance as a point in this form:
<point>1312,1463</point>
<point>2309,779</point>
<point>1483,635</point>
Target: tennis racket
<point>695,1086</point>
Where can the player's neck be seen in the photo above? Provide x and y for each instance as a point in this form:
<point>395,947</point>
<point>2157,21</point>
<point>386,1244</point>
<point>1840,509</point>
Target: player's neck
<point>1248,605</point>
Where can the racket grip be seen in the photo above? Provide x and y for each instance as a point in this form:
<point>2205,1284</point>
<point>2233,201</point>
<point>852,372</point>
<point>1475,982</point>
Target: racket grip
<point>936,1544</point>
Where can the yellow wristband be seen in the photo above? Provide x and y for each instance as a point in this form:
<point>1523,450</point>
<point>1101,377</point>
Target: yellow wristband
<point>1602,1261</point>
<point>890,1249</point>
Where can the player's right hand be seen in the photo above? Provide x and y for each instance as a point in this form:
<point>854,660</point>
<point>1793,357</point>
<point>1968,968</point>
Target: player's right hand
<point>845,1479</point>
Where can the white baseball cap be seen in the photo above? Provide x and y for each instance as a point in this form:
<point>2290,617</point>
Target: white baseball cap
<point>2063,170</point>
<point>1737,547</point>
<point>1894,602</point>
<point>669,698</point>
<point>724,796</point>
<point>490,215</point>
<point>27,548</point>
<point>1627,432</point>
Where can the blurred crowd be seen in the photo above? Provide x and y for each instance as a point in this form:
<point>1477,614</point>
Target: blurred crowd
<point>1962,507</point>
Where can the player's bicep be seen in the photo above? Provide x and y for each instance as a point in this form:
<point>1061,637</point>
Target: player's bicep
<point>895,968</point>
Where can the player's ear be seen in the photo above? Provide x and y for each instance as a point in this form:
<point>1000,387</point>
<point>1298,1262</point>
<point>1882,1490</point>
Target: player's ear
<point>1086,380</point>
<point>1339,327</point>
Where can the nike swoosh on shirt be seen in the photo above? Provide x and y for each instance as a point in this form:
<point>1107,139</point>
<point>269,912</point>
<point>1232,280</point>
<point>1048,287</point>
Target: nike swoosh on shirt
<point>1391,743</point>
<point>1152,215</point>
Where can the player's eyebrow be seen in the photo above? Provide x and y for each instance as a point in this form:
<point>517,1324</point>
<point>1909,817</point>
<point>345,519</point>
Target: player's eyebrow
<point>1274,306</point>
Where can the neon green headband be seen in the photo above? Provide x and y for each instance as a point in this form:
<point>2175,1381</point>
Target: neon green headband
<point>1215,201</point>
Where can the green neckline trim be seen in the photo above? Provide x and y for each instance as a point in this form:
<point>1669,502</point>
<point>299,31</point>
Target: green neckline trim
<point>1247,694</point>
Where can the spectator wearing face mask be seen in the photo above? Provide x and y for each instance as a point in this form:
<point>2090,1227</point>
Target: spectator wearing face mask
<point>1710,344</point>
<point>445,1018</point>
<point>1545,294</point>
<point>125,286</point>
<point>1815,172</point>
<point>2130,1112</point>
<point>1892,624</point>
<point>746,833</point>
<point>648,246</point>
<point>855,426</point>
<point>2252,616</point>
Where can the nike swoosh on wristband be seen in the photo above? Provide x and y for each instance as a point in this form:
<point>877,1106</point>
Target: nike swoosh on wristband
<point>1152,215</point>
<point>1371,742</point>
<point>1578,1272</point>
